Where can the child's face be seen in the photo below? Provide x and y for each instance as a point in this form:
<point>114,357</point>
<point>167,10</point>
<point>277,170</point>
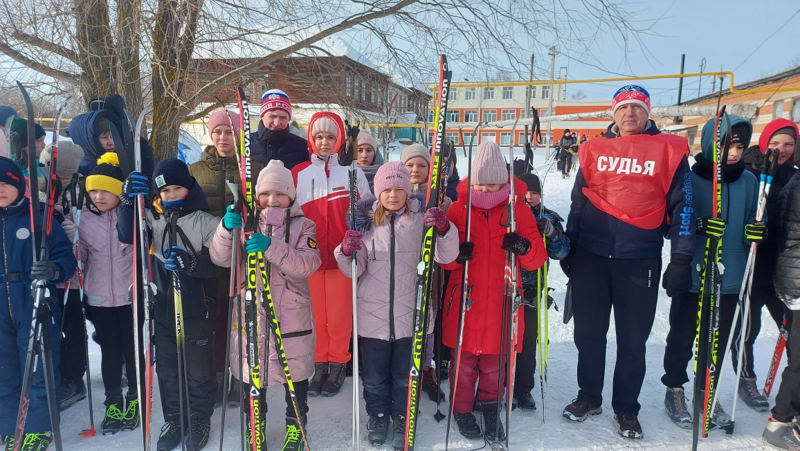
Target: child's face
<point>275,199</point>
<point>490,188</point>
<point>324,142</point>
<point>40,145</point>
<point>785,144</point>
<point>533,198</point>
<point>172,193</point>
<point>735,152</point>
<point>223,140</point>
<point>107,141</point>
<point>104,200</point>
<point>8,194</point>
<point>366,155</point>
<point>418,169</point>
<point>393,199</point>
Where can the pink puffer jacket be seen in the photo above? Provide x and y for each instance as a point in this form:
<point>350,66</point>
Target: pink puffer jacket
<point>108,264</point>
<point>386,304</point>
<point>290,265</point>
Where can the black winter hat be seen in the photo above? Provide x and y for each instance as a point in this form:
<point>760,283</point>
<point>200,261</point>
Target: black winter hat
<point>532,180</point>
<point>20,127</point>
<point>11,174</point>
<point>172,171</point>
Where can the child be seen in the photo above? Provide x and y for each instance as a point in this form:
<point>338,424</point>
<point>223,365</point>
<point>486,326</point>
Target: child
<point>391,228</point>
<point>19,141</point>
<point>288,242</point>
<point>179,199</point>
<point>480,352</point>
<point>323,192</point>
<point>737,228</point>
<point>369,159</point>
<point>107,277</point>
<point>548,224</point>
<point>18,272</point>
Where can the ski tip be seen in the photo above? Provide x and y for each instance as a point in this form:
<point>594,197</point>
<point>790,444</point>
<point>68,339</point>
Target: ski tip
<point>88,432</point>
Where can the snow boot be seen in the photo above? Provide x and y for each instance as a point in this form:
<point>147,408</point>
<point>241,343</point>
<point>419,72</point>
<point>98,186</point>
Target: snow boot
<point>35,441</point>
<point>234,393</point>
<point>170,433</point>
<point>751,396</point>
<point>468,425</point>
<point>335,379</point>
<point>220,387</point>
<point>319,379</point>
<point>112,423</point>
<point>431,386</point>
<point>782,435</point>
<point>525,401</point>
<point>293,441</point>
<point>629,426</point>
<point>130,419</point>
<point>69,393</point>
<point>720,418</point>
<point>675,402</point>
<point>200,427</point>
<point>378,427</point>
<point>493,429</point>
<point>580,409</point>
<point>445,369</point>
<point>399,432</point>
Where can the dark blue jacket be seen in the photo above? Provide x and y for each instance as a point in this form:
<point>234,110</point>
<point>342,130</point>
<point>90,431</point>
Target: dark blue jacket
<point>283,145</point>
<point>602,234</point>
<point>557,248</point>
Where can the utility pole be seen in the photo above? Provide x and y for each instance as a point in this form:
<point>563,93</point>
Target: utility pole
<point>528,93</point>
<point>551,94</point>
<point>700,81</point>
<point>680,83</point>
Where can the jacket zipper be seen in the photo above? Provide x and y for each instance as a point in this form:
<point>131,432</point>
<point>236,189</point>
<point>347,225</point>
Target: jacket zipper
<point>5,266</point>
<point>391,277</point>
<point>111,259</point>
<point>222,178</point>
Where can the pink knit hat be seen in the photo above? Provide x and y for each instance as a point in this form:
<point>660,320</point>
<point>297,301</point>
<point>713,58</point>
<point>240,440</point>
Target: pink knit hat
<point>219,117</point>
<point>489,167</point>
<point>390,175</point>
<point>365,138</point>
<point>324,124</point>
<point>275,177</point>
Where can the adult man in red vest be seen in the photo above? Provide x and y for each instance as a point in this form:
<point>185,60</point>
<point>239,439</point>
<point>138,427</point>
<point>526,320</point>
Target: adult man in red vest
<point>634,187</point>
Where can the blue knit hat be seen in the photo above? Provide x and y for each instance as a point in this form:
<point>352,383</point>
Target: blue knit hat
<point>172,171</point>
<point>5,113</point>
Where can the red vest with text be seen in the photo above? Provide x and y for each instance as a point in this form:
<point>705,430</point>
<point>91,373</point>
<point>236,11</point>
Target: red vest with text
<point>628,177</point>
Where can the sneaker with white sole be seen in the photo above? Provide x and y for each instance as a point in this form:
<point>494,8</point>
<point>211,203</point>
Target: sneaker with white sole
<point>675,403</point>
<point>782,435</point>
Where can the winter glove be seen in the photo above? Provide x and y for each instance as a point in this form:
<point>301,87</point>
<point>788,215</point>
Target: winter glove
<point>678,276</point>
<point>258,243</point>
<point>70,229</point>
<point>45,270</point>
<point>465,252</point>
<point>710,226</point>
<point>546,228</point>
<point>435,217</point>
<point>136,184</point>
<point>231,220</point>
<point>177,259</point>
<point>516,244</point>
<point>755,231</point>
<point>351,242</point>
<point>566,263</point>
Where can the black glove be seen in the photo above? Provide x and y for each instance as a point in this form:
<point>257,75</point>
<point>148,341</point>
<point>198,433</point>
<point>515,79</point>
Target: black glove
<point>465,252</point>
<point>177,259</point>
<point>566,263</point>
<point>755,231</point>
<point>516,244</point>
<point>678,276</point>
<point>45,270</point>
<point>546,228</point>
<point>710,226</point>
<point>136,184</point>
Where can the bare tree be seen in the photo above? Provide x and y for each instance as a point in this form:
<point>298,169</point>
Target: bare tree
<point>146,50</point>
<point>579,94</point>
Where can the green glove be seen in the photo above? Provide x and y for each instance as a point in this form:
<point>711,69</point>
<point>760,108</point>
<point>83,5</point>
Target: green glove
<point>231,220</point>
<point>710,226</point>
<point>258,243</point>
<point>755,232</point>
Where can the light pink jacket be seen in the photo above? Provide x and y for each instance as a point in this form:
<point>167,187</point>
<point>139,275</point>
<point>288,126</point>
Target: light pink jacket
<point>291,259</point>
<point>108,264</point>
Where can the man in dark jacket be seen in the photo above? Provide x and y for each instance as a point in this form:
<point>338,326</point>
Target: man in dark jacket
<point>627,197</point>
<point>780,134</point>
<point>567,146</point>
<point>273,140</point>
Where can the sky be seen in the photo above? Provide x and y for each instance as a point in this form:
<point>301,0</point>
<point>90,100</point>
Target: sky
<point>724,32</point>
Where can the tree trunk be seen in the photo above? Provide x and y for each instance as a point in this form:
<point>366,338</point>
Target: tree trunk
<point>129,75</point>
<point>95,47</point>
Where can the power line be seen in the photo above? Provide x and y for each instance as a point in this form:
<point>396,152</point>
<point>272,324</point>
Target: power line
<point>594,65</point>
<point>765,40</point>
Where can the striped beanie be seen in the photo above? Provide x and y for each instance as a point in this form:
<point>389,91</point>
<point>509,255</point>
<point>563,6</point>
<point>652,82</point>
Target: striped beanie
<point>275,99</point>
<point>631,94</point>
<point>107,175</point>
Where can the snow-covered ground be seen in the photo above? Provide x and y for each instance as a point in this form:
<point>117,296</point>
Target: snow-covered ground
<point>330,418</point>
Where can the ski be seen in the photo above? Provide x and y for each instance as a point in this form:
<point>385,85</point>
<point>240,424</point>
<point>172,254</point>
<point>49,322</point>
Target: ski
<point>775,362</point>
<point>425,266</point>
<point>39,340</point>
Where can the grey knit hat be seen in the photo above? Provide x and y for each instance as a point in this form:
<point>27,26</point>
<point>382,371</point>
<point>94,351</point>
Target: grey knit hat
<point>489,167</point>
<point>415,150</point>
<point>69,157</point>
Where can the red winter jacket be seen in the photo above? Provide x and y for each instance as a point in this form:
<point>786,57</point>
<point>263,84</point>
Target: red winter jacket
<point>482,322</point>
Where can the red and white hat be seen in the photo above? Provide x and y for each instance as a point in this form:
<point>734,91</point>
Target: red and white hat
<point>275,99</point>
<point>631,94</point>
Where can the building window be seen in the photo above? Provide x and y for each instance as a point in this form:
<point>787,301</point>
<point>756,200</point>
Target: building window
<point>505,139</point>
<point>532,89</point>
<point>451,137</point>
<point>452,116</point>
<point>349,85</point>
<point>469,94</point>
<point>545,92</point>
<point>363,90</point>
<point>521,139</point>
<point>777,109</point>
<point>489,115</point>
<point>470,138</point>
<point>507,115</point>
<point>373,95</point>
<point>452,94</point>
<point>487,137</point>
<point>488,93</point>
<point>430,117</point>
<point>796,110</point>
<point>430,137</point>
<point>508,92</point>
<point>471,116</point>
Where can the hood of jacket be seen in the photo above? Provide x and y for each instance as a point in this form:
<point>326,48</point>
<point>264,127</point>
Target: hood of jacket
<point>312,146</point>
<point>83,131</point>
<point>710,134</point>
<point>771,128</point>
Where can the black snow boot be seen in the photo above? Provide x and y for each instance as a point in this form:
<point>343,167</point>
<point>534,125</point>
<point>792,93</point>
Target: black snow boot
<point>493,428</point>
<point>525,401</point>
<point>234,393</point>
<point>35,441</point>
<point>468,425</point>
<point>378,427</point>
<point>293,441</point>
<point>580,409</point>
<point>112,422</point>
<point>170,433</point>
<point>200,428</point>
<point>320,377</point>
<point>336,375</point>
<point>70,392</point>
<point>399,432</point>
<point>220,389</point>
<point>130,420</point>
<point>431,386</point>
<point>629,426</point>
